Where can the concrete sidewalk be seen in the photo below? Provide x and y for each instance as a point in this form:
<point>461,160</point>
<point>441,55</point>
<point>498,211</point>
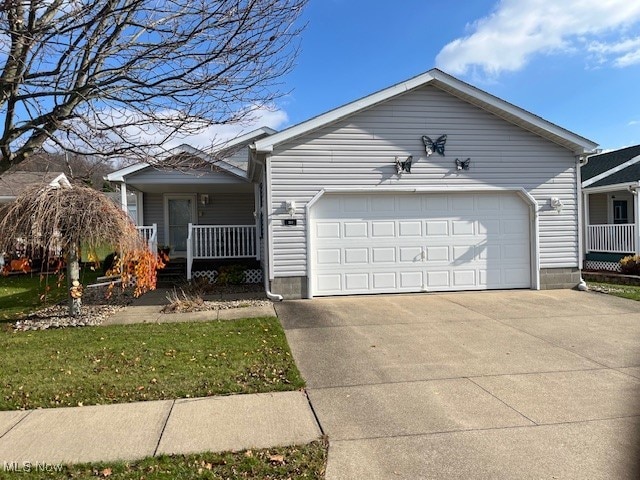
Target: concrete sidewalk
<point>136,430</point>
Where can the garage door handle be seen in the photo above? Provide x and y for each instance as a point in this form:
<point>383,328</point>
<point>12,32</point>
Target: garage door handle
<point>423,254</point>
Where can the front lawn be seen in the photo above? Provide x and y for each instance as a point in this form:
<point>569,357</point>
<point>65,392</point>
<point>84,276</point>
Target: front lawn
<point>22,294</point>
<point>127,363</point>
<point>306,461</point>
<point>625,291</point>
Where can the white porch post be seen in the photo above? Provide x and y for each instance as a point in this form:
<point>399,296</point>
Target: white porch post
<point>123,196</point>
<point>256,214</point>
<point>636,219</point>
<point>139,208</point>
<point>585,222</point>
<point>189,251</point>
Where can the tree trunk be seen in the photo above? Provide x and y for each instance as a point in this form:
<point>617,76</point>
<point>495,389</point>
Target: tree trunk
<point>73,281</point>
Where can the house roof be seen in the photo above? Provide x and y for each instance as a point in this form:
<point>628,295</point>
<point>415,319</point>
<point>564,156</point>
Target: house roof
<point>618,166</point>
<point>13,183</point>
<point>232,165</point>
<point>449,84</point>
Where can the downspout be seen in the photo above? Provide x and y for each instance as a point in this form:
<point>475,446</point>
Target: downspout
<point>274,297</point>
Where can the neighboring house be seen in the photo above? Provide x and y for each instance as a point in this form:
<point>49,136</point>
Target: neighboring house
<point>13,183</point>
<point>486,197</point>
<point>611,207</point>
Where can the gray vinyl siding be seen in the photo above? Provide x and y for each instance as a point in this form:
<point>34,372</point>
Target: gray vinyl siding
<point>223,209</point>
<point>153,207</point>
<point>598,209</point>
<point>359,152</point>
<point>599,206</point>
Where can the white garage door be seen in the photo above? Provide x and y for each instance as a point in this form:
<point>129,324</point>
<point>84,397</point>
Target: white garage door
<point>383,243</point>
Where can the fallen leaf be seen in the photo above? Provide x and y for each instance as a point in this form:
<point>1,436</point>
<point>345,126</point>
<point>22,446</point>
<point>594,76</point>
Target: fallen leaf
<point>106,472</point>
<point>276,458</point>
<point>248,453</point>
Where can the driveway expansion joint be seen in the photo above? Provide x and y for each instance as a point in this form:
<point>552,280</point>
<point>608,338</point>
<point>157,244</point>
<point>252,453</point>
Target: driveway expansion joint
<point>164,426</point>
<point>502,401</point>
<point>20,420</point>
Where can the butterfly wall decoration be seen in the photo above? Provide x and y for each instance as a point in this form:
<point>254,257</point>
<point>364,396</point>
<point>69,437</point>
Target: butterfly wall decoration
<point>463,164</point>
<point>434,146</point>
<point>405,166</point>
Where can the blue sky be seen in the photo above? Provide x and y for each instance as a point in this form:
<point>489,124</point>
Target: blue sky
<point>576,64</point>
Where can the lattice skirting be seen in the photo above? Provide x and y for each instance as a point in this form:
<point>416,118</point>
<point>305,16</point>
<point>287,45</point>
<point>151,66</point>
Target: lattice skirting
<point>250,276</point>
<point>599,265</point>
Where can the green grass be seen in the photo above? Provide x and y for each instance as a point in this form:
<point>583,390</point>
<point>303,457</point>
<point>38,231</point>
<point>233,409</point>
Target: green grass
<point>22,294</point>
<point>625,291</point>
<point>126,363</point>
<point>304,462</point>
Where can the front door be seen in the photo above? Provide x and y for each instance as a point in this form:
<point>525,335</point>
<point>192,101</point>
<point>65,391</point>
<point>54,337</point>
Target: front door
<point>179,213</point>
<point>620,211</point>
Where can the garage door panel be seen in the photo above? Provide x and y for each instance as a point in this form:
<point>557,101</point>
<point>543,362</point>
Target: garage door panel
<point>355,230</point>
<point>410,254</point>
<point>409,203</point>
<point>384,255</point>
<point>464,278</point>
<point>327,283</point>
<point>416,242</point>
<point>437,254</point>
<point>462,227</point>
<point>356,256</point>
<point>328,230</point>
<point>438,279</point>
<point>383,229</point>
<point>436,205</point>
<point>326,256</point>
<point>382,204</point>
<point>436,228</point>
<point>355,204</point>
<point>356,281</point>
<point>411,280</point>
<point>385,281</point>
<point>410,229</point>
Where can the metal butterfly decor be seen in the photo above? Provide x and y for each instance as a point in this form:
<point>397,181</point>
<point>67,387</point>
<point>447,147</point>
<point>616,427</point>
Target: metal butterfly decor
<point>463,164</point>
<point>437,146</point>
<point>405,166</point>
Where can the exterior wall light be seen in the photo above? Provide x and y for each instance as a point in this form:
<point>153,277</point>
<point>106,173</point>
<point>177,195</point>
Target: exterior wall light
<point>291,207</point>
<point>556,204</point>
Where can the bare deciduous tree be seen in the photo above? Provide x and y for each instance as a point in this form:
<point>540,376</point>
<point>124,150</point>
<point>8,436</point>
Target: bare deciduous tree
<point>117,77</point>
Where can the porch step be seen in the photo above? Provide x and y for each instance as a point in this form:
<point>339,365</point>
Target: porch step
<point>174,273</point>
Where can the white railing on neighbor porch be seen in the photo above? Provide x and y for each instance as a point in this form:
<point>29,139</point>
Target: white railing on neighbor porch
<point>150,234</point>
<point>611,238</point>
<point>220,241</point>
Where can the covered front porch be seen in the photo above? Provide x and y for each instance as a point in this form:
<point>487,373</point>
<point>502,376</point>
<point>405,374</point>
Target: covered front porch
<point>198,215</point>
<point>611,225</point>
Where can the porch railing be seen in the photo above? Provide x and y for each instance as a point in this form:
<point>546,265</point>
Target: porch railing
<point>150,235</point>
<point>220,241</point>
<point>619,238</point>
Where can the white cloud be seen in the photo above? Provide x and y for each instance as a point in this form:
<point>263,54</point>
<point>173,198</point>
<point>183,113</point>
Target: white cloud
<point>625,52</point>
<point>633,122</point>
<point>518,29</point>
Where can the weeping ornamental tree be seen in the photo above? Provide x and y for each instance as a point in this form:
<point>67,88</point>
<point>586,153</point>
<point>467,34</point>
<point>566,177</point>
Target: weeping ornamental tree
<point>64,219</point>
<point>121,77</point>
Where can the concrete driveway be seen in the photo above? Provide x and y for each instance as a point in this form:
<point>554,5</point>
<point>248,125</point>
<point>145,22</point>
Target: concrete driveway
<point>490,385</point>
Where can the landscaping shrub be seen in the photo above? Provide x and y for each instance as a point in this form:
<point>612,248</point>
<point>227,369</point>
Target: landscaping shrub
<point>630,265</point>
<point>231,275</point>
